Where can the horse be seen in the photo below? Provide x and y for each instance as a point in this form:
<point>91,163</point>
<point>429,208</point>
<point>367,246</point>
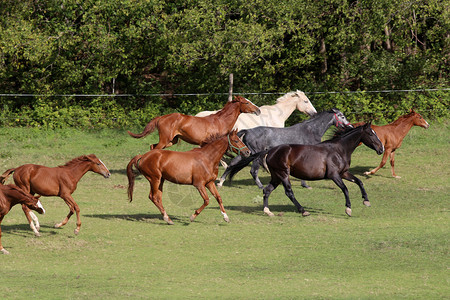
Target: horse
<point>392,135</point>
<point>326,160</point>
<point>59,181</point>
<point>195,130</point>
<point>263,138</point>
<point>11,195</point>
<point>273,115</point>
<point>198,167</point>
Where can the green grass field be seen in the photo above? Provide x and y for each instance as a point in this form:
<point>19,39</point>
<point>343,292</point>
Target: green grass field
<point>398,248</point>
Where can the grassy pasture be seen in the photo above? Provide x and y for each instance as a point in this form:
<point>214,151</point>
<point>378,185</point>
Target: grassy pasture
<point>398,248</point>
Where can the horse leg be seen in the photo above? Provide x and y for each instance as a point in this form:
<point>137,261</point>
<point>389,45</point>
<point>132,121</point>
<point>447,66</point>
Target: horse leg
<point>290,193</point>
<point>254,171</point>
<point>73,208</point>
<point>338,181</point>
<point>31,218</point>
<point>212,188</point>
<point>201,189</point>
<point>383,162</point>
<point>166,139</point>
<point>156,190</point>
<point>274,182</point>
<point>392,164</point>
<point>233,162</point>
<point>305,185</point>
<point>2,250</point>
<point>350,177</point>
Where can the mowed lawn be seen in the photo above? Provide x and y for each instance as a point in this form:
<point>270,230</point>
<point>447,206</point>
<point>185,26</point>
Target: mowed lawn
<point>398,248</point>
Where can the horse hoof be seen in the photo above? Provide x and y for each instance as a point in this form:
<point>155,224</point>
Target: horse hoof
<point>58,225</point>
<point>398,177</point>
<point>4,251</point>
<point>367,203</point>
<point>305,214</point>
<point>76,231</point>
<point>170,222</point>
<point>348,211</point>
<point>366,173</point>
<point>37,234</point>
<point>268,212</point>
<point>227,219</point>
<point>192,218</point>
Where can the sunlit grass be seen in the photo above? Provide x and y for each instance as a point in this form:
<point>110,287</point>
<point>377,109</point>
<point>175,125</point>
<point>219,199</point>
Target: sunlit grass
<point>398,248</point>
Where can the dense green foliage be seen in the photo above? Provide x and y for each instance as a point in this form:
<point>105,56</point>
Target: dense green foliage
<point>396,249</point>
<point>177,47</point>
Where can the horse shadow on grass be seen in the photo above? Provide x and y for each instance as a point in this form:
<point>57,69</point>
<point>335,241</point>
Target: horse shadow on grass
<point>139,218</point>
<point>280,209</point>
<point>23,230</point>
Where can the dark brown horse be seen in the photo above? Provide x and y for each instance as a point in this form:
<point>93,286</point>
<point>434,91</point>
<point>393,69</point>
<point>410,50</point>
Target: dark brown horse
<point>59,181</point>
<point>195,130</point>
<point>197,167</point>
<point>327,160</point>
<point>11,195</point>
<point>392,135</point>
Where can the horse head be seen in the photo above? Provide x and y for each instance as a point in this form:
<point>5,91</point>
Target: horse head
<point>370,138</point>
<point>16,194</point>
<point>418,120</point>
<point>339,119</point>
<point>236,145</point>
<point>303,103</point>
<point>246,106</point>
<point>98,166</point>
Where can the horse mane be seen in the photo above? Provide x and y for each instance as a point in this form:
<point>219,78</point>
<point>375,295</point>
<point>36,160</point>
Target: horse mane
<point>212,138</point>
<point>401,118</point>
<point>75,161</point>
<point>286,96</point>
<point>340,133</point>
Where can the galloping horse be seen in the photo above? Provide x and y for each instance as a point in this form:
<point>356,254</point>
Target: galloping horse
<point>197,167</point>
<point>11,195</point>
<point>392,135</point>
<point>59,181</point>
<point>195,130</point>
<point>327,160</point>
<point>262,138</point>
<point>273,115</point>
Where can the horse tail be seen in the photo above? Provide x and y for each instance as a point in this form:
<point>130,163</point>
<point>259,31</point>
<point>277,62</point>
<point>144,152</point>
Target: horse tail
<point>241,164</point>
<point>149,128</point>
<point>131,175</point>
<point>5,175</point>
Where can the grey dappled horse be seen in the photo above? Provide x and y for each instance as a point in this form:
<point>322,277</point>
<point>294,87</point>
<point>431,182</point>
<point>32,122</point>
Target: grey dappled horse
<point>262,138</point>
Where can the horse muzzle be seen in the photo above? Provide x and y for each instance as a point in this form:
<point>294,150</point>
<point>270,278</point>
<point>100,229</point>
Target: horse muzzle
<point>107,175</point>
<point>257,112</point>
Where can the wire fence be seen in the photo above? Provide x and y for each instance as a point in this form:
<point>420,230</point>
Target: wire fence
<point>220,94</point>
<point>442,109</point>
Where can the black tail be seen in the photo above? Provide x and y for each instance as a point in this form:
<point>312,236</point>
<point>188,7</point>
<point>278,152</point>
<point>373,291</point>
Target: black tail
<point>242,164</point>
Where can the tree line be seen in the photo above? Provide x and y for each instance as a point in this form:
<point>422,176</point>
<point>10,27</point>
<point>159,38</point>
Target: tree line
<point>176,47</point>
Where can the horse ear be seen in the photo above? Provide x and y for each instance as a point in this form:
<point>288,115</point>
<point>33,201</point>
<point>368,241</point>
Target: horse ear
<point>335,110</point>
<point>91,157</point>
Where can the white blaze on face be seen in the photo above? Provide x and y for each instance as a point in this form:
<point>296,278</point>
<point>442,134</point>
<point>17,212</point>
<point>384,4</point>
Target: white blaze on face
<point>107,171</point>
<point>39,204</point>
<point>250,101</point>
<point>378,138</point>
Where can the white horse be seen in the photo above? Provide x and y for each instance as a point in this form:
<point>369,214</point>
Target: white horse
<point>273,115</point>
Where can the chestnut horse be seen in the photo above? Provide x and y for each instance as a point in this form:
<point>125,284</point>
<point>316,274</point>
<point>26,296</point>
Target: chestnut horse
<point>197,167</point>
<point>327,160</point>
<point>195,130</point>
<point>11,195</point>
<point>392,135</point>
<point>59,181</point>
